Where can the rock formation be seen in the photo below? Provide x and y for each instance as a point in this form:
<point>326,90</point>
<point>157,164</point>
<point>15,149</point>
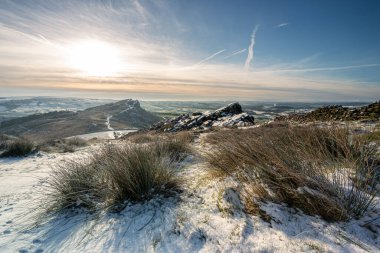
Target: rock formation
<point>228,116</point>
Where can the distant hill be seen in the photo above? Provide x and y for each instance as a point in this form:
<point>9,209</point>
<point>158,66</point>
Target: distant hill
<point>336,113</point>
<point>119,115</point>
<point>15,107</point>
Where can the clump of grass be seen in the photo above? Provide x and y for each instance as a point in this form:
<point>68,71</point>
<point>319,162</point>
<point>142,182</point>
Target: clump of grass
<point>176,146</point>
<point>108,179</point>
<point>3,141</point>
<point>63,145</point>
<point>76,141</point>
<point>370,137</point>
<point>185,136</point>
<point>176,149</point>
<point>18,147</point>
<point>143,138</point>
<point>137,173</point>
<point>76,183</point>
<point>311,168</point>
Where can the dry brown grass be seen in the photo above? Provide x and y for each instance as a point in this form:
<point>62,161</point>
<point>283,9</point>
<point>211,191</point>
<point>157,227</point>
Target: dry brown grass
<point>177,145</point>
<point>143,138</point>
<point>67,145</point>
<point>306,167</point>
<point>370,137</point>
<point>138,173</point>
<point>18,147</point>
<point>146,137</point>
<point>114,175</point>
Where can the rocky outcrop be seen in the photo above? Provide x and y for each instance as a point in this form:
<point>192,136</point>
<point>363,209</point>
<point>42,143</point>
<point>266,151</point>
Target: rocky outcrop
<point>336,113</point>
<point>228,116</point>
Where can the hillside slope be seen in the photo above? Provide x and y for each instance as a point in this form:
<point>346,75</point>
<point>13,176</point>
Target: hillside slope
<point>336,113</point>
<point>119,115</point>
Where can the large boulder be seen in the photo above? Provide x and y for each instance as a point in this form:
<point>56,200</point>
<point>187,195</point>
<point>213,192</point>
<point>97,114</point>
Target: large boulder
<point>233,108</point>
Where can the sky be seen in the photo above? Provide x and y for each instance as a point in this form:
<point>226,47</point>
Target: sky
<point>302,51</point>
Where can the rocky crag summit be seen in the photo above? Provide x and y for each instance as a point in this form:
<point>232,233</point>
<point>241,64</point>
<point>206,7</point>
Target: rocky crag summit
<point>228,116</point>
<point>336,113</point>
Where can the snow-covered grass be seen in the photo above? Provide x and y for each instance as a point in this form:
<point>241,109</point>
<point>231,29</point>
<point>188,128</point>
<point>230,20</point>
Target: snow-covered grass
<point>114,175</point>
<point>207,216</point>
<point>321,171</point>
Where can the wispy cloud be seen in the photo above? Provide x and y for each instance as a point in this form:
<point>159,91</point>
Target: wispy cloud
<point>235,53</point>
<point>250,48</point>
<point>308,59</point>
<point>37,38</point>
<point>282,25</point>
<point>157,64</point>
<point>300,70</point>
<point>209,57</point>
<point>207,84</point>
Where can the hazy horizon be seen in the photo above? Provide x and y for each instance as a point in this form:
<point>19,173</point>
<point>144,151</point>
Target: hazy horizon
<point>284,51</point>
<point>21,97</point>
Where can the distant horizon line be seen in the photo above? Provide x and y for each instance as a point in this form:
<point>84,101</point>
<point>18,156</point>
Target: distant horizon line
<point>200,101</point>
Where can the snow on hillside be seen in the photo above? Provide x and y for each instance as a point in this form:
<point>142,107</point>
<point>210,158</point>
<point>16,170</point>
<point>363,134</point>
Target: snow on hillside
<point>206,217</point>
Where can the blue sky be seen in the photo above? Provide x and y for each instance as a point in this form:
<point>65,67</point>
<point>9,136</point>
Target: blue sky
<point>192,50</point>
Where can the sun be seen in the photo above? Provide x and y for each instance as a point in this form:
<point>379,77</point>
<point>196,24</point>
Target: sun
<point>94,58</point>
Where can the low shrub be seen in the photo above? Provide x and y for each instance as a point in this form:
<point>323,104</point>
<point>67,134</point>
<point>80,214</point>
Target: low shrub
<point>311,168</point>
<point>18,147</point>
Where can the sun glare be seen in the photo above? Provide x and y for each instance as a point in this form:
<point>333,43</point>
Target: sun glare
<point>94,58</point>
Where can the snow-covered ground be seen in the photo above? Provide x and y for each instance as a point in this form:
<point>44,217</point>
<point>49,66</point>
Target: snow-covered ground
<point>105,135</point>
<point>206,217</point>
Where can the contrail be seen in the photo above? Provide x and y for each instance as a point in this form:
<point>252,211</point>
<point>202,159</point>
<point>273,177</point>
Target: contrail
<point>320,69</point>
<point>235,53</point>
<point>282,24</point>
<point>250,48</point>
<point>210,57</point>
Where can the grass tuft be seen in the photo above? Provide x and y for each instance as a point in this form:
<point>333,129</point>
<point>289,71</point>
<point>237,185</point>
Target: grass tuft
<point>115,175</point>
<point>18,147</point>
<point>63,145</point>
<point>322,171</point>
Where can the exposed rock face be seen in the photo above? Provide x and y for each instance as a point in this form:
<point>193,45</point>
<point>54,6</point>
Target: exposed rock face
<point>337,113</point>
<point>230,115</point>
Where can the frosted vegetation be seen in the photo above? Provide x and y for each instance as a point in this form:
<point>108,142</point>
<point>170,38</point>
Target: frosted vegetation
<point>274,187</point>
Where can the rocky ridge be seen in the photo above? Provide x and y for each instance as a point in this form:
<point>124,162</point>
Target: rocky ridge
<point>228,116</point>
<point>336,113</point>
